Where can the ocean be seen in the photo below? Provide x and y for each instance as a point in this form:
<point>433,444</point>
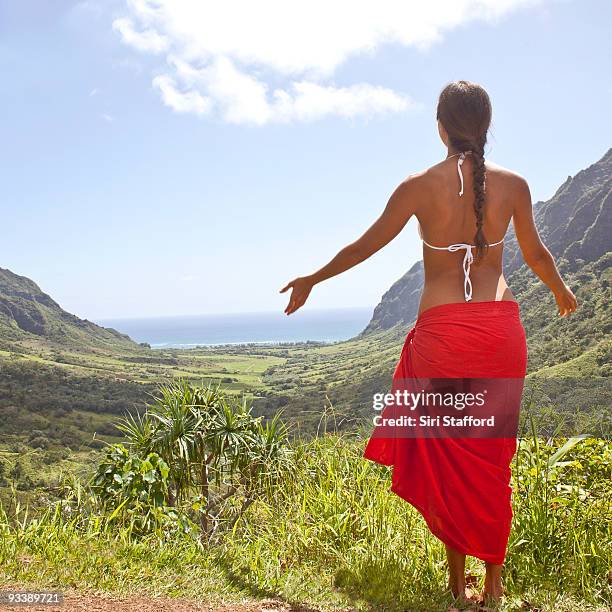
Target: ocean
<point>261,327</point>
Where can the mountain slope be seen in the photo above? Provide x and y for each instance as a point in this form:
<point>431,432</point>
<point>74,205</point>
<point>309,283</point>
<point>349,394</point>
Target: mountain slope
<point>399,305</point>
<point>576,223</point>
<point>27,314</point>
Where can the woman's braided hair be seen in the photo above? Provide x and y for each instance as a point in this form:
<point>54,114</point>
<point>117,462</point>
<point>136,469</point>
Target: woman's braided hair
<point>464,109</point>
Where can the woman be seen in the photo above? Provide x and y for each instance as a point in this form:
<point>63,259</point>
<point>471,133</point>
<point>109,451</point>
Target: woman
<point>468,326</point>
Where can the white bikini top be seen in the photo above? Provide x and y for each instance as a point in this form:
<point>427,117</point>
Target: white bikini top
<point>469,257</point>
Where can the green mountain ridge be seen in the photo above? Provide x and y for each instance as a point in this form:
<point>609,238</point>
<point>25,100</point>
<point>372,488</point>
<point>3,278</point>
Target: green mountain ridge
<point>27,313</point>
<point>576,223</point>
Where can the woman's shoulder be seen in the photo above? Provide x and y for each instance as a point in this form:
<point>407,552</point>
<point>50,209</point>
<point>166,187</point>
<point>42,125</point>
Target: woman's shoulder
<point>510,178</point>
<point>425,181</point>
<point>502,170</point>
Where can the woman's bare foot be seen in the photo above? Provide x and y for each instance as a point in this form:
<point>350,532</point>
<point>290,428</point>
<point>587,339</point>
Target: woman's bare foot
<point>456,574</point>
<point>493,581</point>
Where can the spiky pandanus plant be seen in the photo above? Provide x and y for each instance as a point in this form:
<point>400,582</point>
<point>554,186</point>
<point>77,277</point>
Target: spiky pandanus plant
<point>221,457</point>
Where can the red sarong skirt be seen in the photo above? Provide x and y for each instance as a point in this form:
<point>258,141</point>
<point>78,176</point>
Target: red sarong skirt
<point>461,485</point>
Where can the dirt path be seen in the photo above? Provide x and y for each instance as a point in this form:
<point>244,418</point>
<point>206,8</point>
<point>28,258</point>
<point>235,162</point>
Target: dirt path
<point>142,604</point>
<point>93,603</point>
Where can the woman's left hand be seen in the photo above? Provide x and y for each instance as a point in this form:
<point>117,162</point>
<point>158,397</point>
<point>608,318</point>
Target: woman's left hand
<point>566,301</point>
<point>300,290</point>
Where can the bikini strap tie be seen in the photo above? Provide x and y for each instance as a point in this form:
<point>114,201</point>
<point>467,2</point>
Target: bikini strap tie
<point>460,161</point>
<point>468,259</point>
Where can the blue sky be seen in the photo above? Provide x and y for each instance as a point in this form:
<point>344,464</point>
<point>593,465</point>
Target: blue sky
<point>148,167</point>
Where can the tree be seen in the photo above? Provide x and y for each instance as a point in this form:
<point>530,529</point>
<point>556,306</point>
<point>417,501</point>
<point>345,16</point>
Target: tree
<point>220,457</point>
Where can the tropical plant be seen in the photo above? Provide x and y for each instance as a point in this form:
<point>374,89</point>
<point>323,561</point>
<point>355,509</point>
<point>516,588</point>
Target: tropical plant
<point>220,458</point>
<point>134,490</point>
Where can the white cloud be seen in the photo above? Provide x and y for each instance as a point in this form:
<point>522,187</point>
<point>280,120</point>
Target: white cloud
<point>181,102</point>
<point>144,40</point>
<point>274,60</point>
<point>241,98</point>
<point>108,118</point>
<point>313,101</point>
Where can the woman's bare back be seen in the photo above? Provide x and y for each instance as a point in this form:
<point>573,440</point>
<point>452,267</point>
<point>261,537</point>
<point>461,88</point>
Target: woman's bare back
<point>446,218</point>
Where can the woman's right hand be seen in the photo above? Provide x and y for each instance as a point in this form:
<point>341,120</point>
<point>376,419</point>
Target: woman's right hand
<point>566,301</point>
<point>300,290</point>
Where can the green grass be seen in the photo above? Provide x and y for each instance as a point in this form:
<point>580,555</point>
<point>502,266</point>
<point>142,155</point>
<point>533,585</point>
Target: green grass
<point>333,536</point>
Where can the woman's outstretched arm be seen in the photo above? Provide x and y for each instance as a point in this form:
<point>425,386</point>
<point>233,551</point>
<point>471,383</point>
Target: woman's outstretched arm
<point>535,253</point>
<point>396,214</point>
